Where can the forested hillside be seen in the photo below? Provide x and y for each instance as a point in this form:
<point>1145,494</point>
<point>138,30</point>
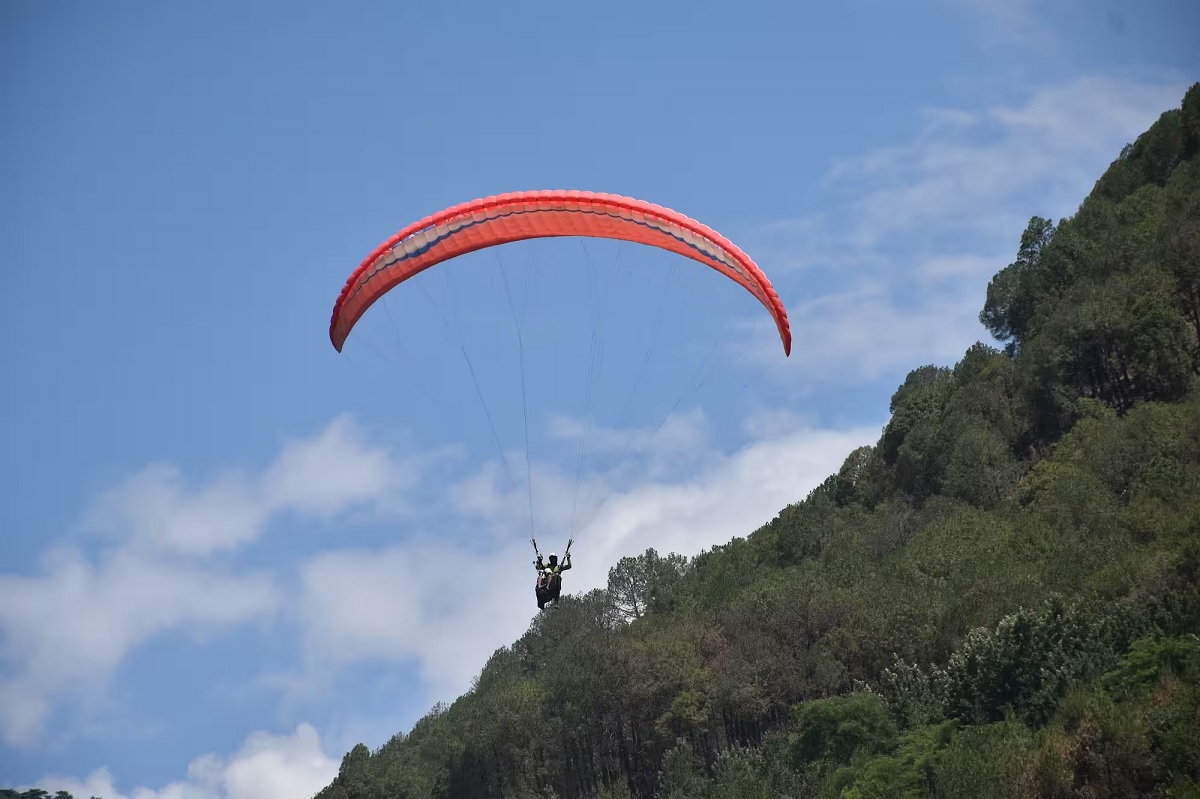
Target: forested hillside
<point>998,598</point>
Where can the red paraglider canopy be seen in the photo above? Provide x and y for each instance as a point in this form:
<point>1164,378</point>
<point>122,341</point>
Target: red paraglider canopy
<point>523,215</point>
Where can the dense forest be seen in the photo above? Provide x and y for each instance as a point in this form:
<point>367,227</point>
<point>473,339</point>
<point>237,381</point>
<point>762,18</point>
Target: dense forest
<point>1000,598</point>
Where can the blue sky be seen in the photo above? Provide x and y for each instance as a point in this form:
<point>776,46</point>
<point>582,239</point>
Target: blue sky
<point>220,534</point>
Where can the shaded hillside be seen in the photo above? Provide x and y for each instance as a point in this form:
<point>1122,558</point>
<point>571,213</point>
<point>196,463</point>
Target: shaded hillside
<point>998,598</point>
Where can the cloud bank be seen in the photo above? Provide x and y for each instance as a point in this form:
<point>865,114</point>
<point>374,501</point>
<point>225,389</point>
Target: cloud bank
<point>266,767</point>
<point>65,631</point>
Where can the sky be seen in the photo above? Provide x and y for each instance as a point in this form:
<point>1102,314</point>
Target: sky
<point>224,543</point>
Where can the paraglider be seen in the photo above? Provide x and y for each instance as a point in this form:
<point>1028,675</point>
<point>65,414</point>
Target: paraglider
<point>517,216</point>
<point>549,584</point>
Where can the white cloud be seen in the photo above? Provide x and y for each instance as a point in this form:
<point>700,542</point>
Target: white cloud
<point>873,328</point>
<point>951,267</point>
<point>328,474</point>
<point>769,423</point>
<point>870,329</point>
<point>65,631</point>
<point>266,767</point>
<point>444,607</point>
<point>729,497</point>
<point>1001,161</point>
<point>679,432</point>
<point>612,458</point>
<point>674,442</point>
<point>338,469</point>
<point>1013,19</point>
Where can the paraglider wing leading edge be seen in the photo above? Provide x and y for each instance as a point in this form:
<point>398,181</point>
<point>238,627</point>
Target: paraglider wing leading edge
<point>523,215</point>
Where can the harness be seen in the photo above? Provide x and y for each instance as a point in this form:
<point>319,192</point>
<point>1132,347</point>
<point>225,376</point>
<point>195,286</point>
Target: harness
<point>548,574</point>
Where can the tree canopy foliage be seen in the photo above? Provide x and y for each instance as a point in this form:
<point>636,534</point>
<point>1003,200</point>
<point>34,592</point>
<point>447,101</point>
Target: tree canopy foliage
<point>997,599</point>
